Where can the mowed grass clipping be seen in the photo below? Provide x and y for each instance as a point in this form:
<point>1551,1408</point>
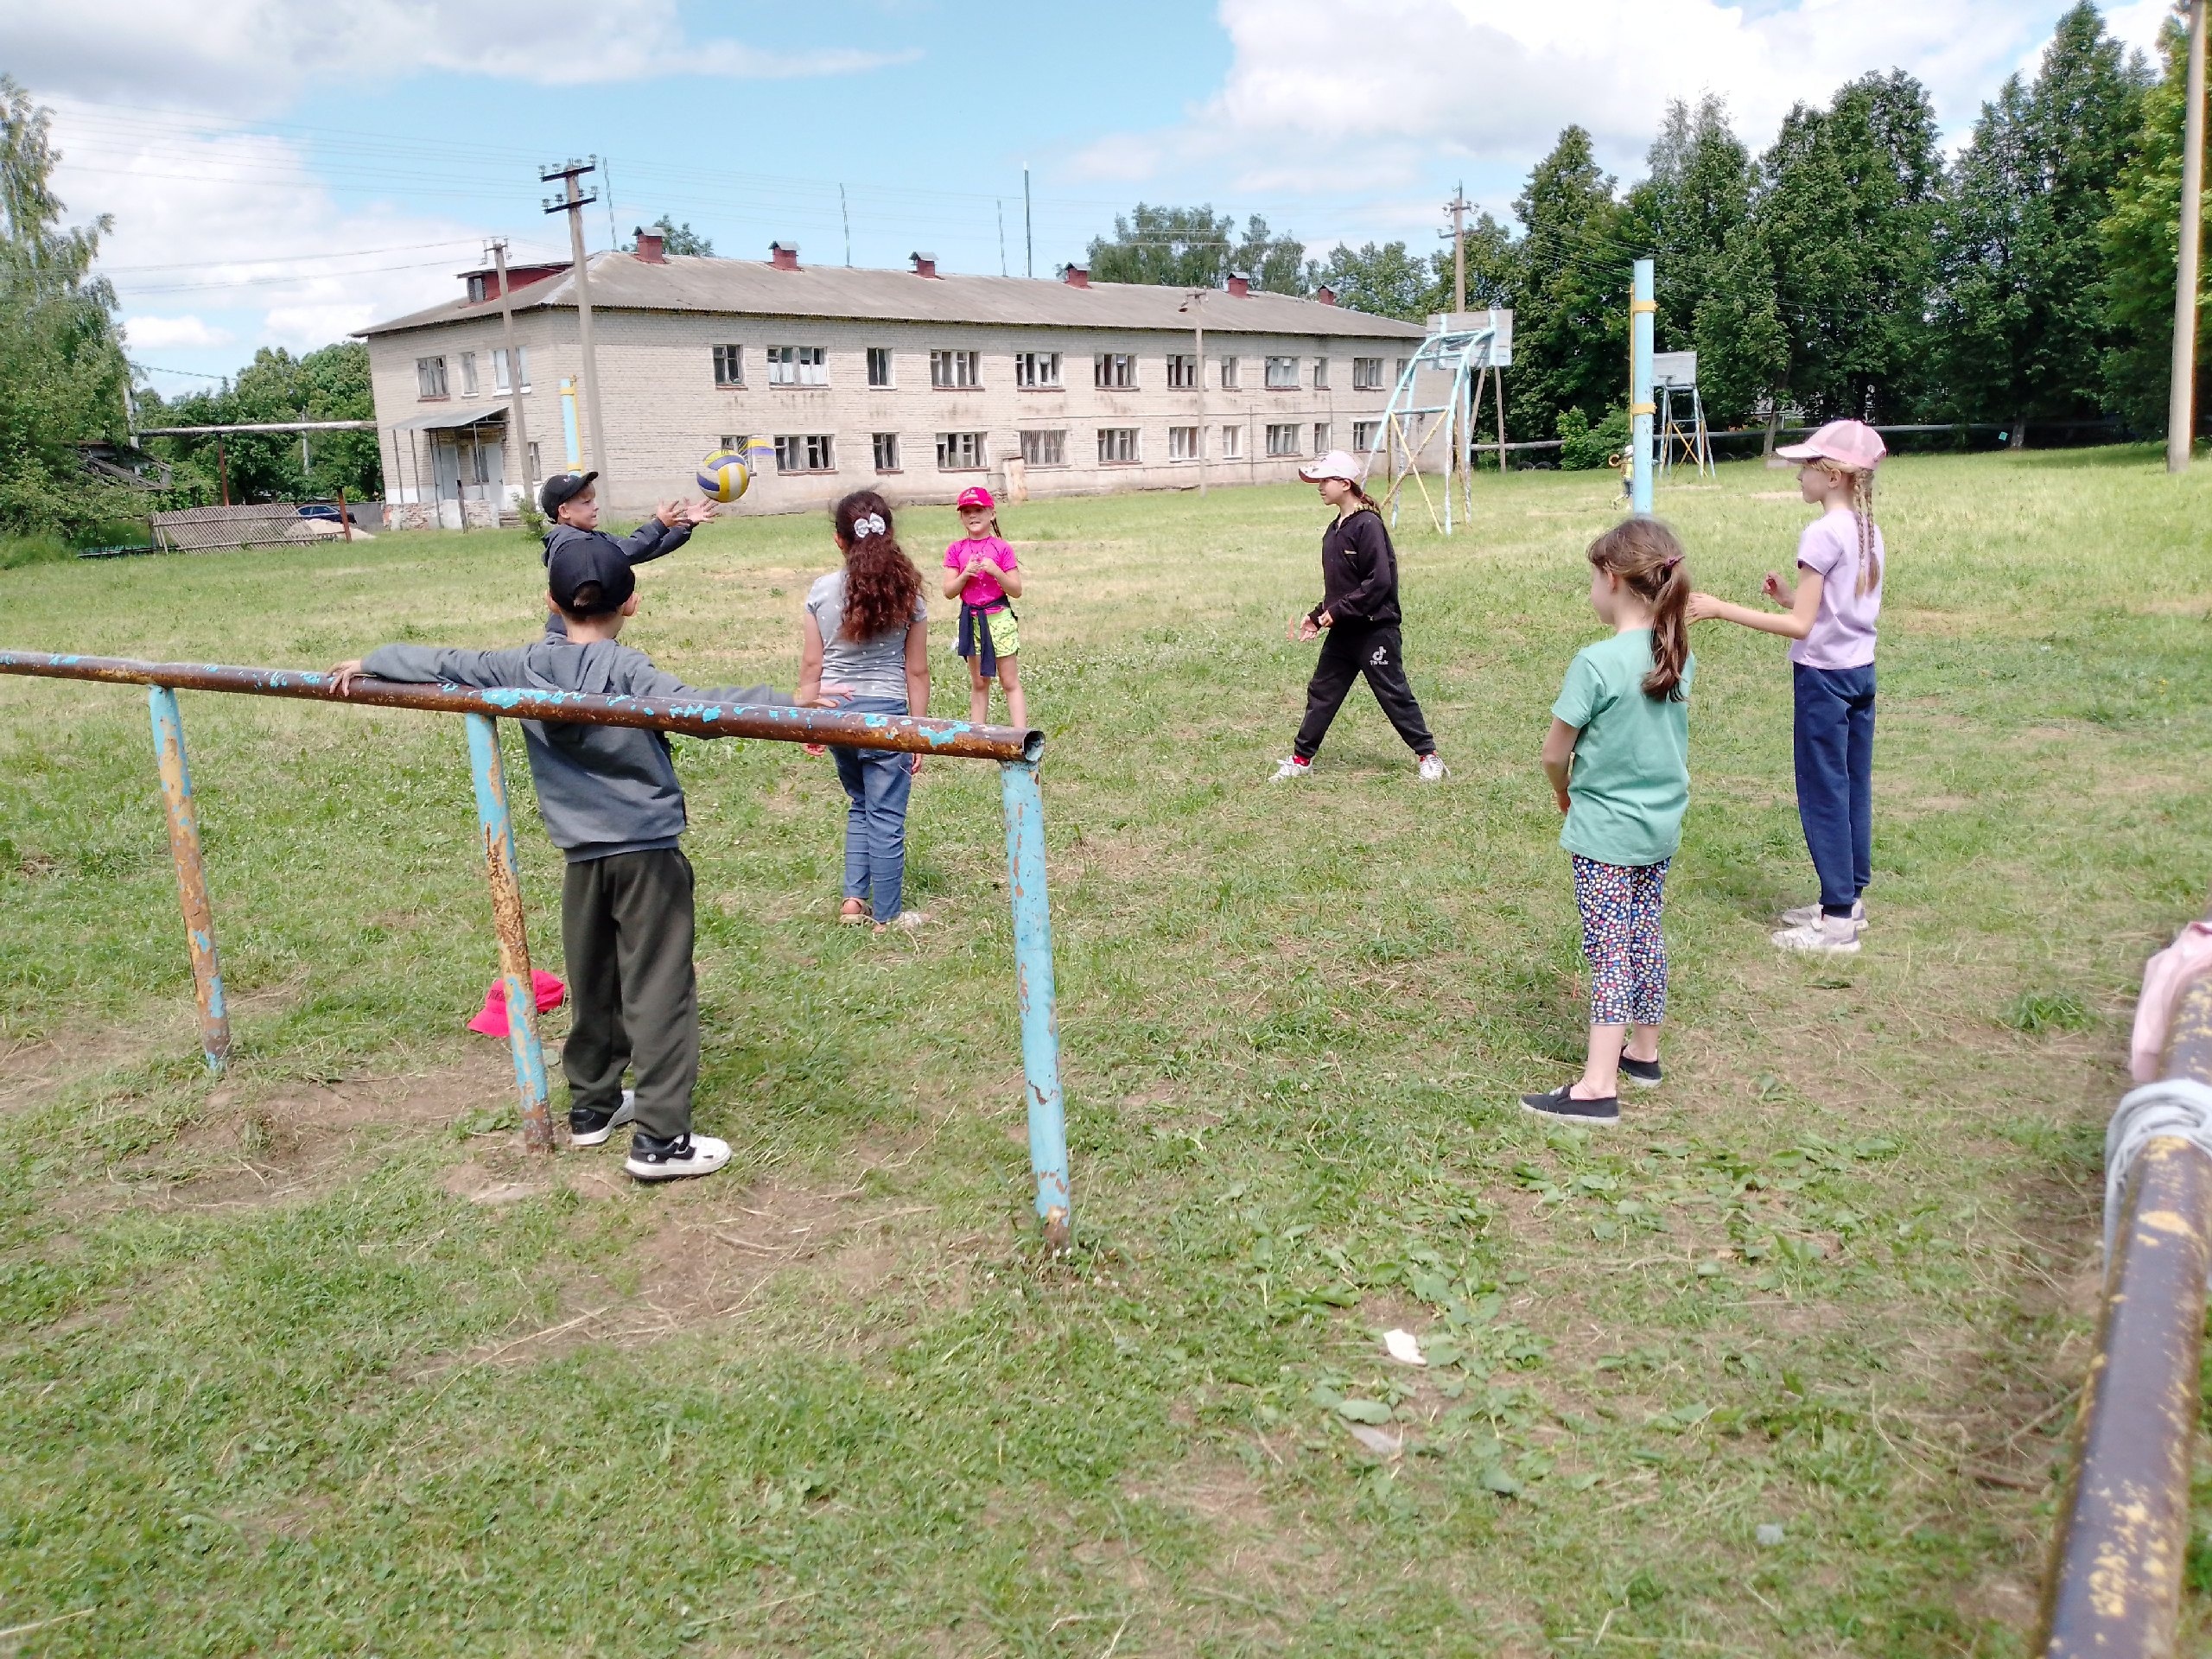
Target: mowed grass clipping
<point>313,1359</point>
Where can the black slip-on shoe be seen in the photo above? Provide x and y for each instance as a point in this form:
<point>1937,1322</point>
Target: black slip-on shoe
<point>1646,1072</point>
<point>654,1160</point>
<point>1561,1104</point>
<point>590,1129</point>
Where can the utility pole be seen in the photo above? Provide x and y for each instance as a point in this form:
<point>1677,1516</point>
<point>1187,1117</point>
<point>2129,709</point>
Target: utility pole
<point>1458,209</point>
<point>2181,401</point>
<point>514,369</point>
<point>1028,235</point>
<point>847,214</point>
<point>573,201</point>
<point>1195,306</point>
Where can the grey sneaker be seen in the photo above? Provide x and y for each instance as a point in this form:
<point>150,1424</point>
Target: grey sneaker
<point>1810,915</point>
<point>1834,936</point>
<point>1291,768</point>
<point>1433,770</point>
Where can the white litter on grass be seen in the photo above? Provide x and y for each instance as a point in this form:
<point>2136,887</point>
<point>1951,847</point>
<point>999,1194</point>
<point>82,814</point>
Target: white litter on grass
<point>1770,1534</point>
<point>1381,1441</point>
<point>1404,1347</point>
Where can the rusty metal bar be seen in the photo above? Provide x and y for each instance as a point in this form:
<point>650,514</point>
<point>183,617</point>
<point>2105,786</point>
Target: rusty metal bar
<point>191,877</point>
<point>2115,1586</point>
<point>955,738</point>
<point>507,921</point>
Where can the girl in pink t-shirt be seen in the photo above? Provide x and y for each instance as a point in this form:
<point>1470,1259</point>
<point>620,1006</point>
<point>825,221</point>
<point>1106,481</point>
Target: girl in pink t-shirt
<point>1830,612</point>
<point>980,572</point>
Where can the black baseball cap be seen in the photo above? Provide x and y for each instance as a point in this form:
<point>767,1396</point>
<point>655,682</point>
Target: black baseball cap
<point>589,575</point>
<point>562,487</point>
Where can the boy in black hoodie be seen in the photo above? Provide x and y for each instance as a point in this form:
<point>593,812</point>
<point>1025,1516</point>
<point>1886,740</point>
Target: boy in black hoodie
<point>611,802</point>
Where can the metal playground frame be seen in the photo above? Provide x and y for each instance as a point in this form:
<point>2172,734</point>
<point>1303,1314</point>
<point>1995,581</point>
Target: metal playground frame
<point>1017,752</point>
<point>1463,345</point>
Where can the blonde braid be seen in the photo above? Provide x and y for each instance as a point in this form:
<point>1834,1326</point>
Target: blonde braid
<point>1862,508</point>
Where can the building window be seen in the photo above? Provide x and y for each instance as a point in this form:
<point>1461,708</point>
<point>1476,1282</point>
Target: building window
<point>1231,372</point>
<point>1232,442</point>
<point>807,452</point>
<point>886,450</point>
<point>479,289</point>
<point>1116,371</point>
<point>798,365</point>
<point>1282,440</point>
<point>500,377</point>
<point>1320,374</point>
<point>479,464</point>
<point>1037,371</point>
<point>1117,445</point>
<point>535,470</point>
<point>1363,432</point>
<point>955,370</point>
<point>1283,374</point>
<point>1044,449</point>
<point>735,443</point>
<point>468,374</point>
<point>960,452</point>
<point>1367,374</point>
<point>1183,443</point>
<point>1320,437</point>
<point>729,365</point>
<point>879,370</point>
<point>1402,366</point>
<point>1182,371</point>
<point>429,377</point>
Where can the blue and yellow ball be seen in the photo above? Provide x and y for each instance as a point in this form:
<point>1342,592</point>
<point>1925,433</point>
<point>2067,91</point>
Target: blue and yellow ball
<point>725,475</point>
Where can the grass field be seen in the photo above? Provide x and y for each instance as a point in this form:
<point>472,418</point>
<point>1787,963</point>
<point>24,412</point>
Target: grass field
<point>312,1359</point>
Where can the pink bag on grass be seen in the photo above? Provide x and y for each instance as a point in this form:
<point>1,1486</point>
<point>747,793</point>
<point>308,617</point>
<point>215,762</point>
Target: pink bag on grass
<point>491,1019</point>
<point>2187,958</point>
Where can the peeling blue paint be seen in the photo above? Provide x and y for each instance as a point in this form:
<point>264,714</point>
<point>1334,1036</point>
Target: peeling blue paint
<point>1040,1023</point>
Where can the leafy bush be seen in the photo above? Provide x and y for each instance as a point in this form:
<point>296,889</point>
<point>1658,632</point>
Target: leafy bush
<point>1584,447</point>
<point>16,551</point>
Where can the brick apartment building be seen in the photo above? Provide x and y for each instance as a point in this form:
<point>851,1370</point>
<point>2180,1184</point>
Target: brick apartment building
<point>917,383</point>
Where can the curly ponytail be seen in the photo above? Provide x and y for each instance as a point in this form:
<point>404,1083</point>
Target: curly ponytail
<point>1650,562</point>
<point>880,582</point>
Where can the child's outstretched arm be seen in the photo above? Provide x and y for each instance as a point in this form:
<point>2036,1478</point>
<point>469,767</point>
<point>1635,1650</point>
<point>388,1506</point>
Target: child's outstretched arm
<point>1558,758</point>
<point>1803,604</point>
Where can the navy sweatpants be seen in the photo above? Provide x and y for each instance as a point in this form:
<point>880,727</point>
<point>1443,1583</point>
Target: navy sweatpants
<point>1835,778</point>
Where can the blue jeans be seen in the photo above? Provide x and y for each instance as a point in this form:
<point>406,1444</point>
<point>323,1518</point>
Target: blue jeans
<point>1835,778</point>
<point>877,782</point>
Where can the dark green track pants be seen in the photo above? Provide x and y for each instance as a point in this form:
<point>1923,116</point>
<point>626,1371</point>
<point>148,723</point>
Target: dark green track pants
<point>625,930</point>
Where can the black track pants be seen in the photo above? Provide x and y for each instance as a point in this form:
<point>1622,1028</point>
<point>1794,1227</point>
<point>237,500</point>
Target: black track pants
<point>1348,650</point>
<point>625,930</point>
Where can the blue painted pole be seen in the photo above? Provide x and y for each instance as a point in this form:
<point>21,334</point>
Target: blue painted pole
<point>1642,307</point>
<point>1040,1020</point>
<point>498,826</point>
<point>191,877</point>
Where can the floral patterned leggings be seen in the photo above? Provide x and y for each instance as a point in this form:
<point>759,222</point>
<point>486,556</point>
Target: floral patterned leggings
<point>1620,906</point>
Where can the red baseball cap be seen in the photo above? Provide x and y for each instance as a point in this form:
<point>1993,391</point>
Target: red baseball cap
<point>977,496</point>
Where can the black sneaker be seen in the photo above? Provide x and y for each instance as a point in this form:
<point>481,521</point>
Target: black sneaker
<point>1646,1072</point>
<point>589,1129</point>
<point>652,1158</point>
<point>1561,1103</point>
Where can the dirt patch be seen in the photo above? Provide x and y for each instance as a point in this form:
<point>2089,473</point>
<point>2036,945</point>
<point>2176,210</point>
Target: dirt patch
<point>247,1151</point>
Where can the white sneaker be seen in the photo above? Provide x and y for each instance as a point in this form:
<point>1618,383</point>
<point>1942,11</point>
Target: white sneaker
<point>590,1130</point>
<point>1810,915</point>
<point>1830,936</point>
<point>1292,767</point>
<point>905,922</point>
<point>1433,770</point>
<point>650,1159</point>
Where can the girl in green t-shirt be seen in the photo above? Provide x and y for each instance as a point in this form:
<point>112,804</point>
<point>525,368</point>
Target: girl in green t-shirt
<point>1617,757</point>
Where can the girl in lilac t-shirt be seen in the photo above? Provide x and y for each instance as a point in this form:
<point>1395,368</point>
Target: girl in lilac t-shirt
<point>982,574</point>
<point>1830,613</point>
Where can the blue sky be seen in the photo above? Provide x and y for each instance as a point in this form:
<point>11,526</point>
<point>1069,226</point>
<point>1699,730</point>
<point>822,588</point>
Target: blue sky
<point>281,171</point>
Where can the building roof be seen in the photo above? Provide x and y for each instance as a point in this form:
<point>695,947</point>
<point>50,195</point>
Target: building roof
<point>746,286</point>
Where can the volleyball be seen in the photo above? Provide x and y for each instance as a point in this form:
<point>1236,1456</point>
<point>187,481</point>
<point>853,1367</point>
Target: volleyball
<point>724,475</point>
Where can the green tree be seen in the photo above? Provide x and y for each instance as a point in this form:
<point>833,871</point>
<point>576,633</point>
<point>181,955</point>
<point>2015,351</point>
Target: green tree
<point>1493,266</point>
<point>1570,325</point>
<point>2022,319</point>
<point>1194,247</point>
<point>2141,237</point>
<point>1383,282</point>
<point>63,380</point>
<point>676,238</point>
<point>1743,350</point>
<point>329,384</point>
<point>1682,214</point>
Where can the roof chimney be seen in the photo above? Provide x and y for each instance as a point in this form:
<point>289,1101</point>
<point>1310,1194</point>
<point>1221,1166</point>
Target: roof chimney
<point>924,264</point>
<point>783,258</point>
<point>1326,295</point>
<point>649,244</point>
<point>1075,277</point>
<point>1240,285</point>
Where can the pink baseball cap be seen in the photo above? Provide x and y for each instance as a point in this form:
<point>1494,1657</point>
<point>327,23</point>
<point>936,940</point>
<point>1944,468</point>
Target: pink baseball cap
<point>977,496</point>
<point>1848,443</point>
<point>1337,464</point>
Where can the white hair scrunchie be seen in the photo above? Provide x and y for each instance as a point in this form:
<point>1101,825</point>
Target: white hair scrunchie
<point>871,525</point>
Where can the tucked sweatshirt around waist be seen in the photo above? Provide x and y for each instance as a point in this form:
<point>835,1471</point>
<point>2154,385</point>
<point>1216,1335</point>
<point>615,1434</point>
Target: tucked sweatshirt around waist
<point>601,789</point>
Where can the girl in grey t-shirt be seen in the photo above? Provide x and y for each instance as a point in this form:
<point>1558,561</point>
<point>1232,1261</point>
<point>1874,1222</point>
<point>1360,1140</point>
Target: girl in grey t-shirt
<point>866,634</point>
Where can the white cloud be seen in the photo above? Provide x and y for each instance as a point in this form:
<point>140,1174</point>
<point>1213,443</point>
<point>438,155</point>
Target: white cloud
<point>1322,94</point>
<point>239,55</point>
<point>158,333</point>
